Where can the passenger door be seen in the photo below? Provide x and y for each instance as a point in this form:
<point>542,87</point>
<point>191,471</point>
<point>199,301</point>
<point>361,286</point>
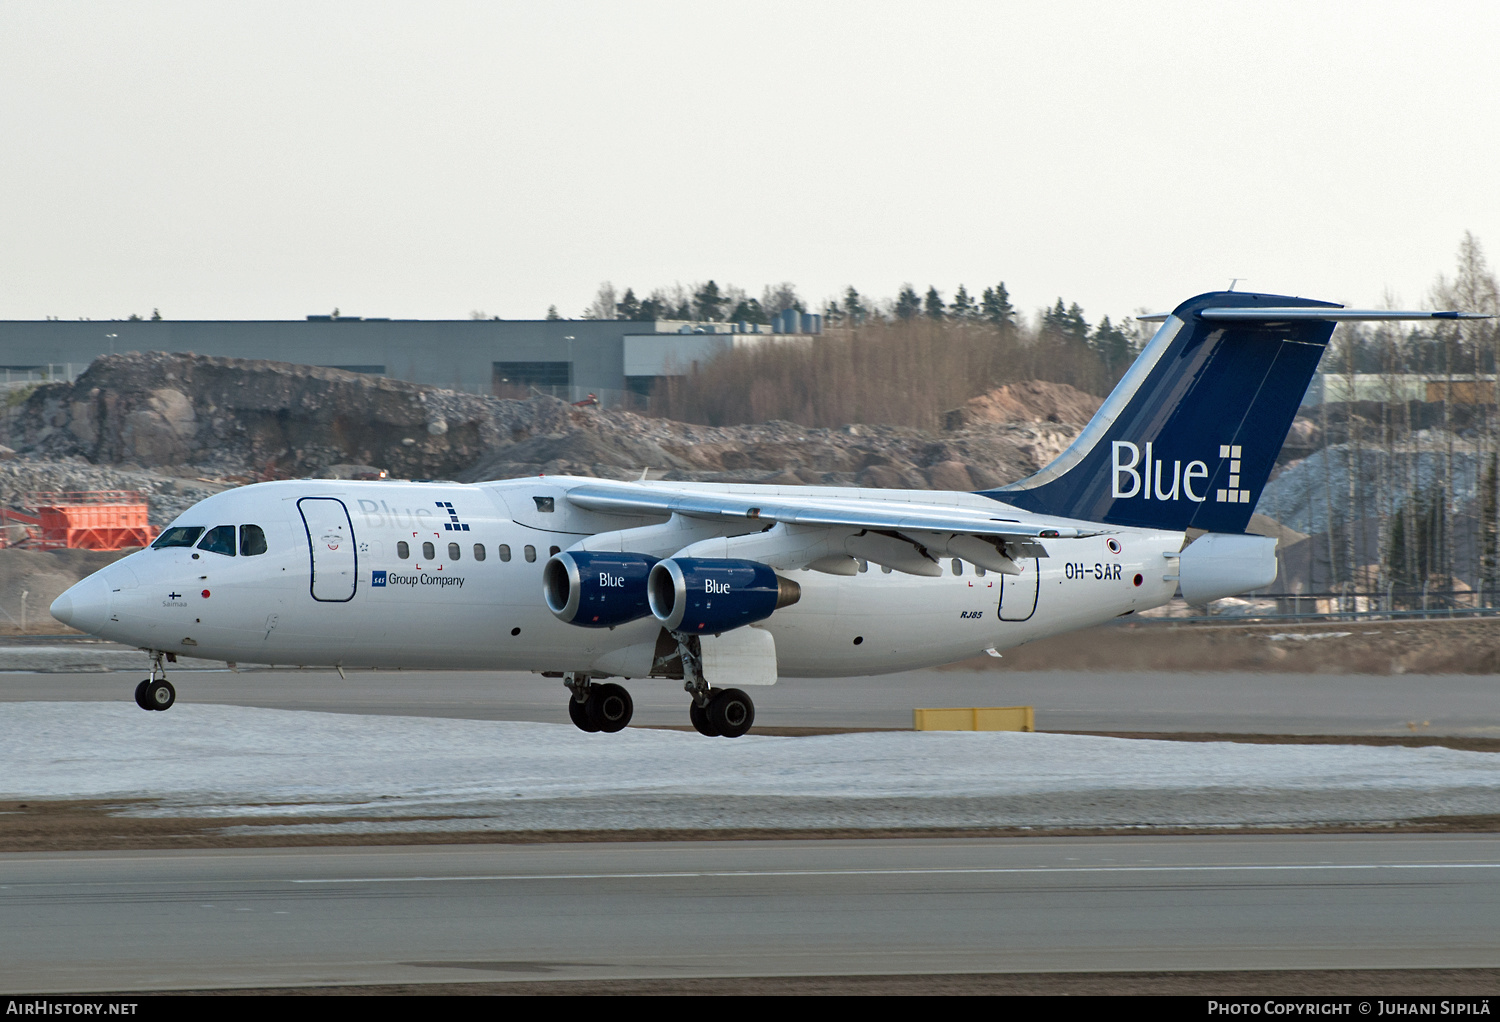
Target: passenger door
<point>330,538</point>
<point>1018,592</point>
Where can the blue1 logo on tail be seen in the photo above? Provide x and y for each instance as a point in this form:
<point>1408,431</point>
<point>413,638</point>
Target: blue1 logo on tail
<point>1183,479</point>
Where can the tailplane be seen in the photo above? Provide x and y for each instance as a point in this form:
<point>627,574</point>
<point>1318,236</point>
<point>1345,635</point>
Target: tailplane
<point>1189,436</point>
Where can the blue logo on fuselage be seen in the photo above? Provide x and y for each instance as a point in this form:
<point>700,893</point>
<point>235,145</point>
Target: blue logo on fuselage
<point>453,524</point>
<point>377,579</point>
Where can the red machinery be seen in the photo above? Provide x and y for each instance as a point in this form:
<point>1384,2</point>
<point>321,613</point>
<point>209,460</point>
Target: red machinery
<point>89,519</point>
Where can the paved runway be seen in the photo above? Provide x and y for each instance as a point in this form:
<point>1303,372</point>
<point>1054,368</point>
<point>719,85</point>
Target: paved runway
<point>94,921</point>
<point>1064,700</point>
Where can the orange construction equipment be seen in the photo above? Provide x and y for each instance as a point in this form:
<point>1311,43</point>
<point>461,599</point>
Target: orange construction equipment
<point>89,519</point>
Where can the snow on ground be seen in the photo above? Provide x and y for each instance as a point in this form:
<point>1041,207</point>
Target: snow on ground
<point>315,771</point>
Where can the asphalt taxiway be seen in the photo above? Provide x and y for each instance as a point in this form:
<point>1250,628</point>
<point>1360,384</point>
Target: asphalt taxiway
<point>1454,704</point>
<point>176,920</point>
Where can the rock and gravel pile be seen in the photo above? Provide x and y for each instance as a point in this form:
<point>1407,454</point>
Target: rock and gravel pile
<point>171,425</point>
<point>168,496</point>
<point>1031,401</point>
<point>621,446</point>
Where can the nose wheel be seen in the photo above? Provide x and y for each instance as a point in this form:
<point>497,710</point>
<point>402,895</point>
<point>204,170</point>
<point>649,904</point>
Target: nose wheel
<point>155,695</point>
<point>156,692</point>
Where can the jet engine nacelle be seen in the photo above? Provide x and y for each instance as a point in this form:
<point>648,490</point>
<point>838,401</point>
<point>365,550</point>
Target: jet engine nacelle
<point>1216,565</point>
<point>597,589</point>
<point>705,595</point>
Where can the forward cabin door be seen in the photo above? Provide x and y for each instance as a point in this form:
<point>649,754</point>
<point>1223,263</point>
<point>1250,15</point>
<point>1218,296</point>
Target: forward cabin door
<point>1018,592</point>
<point>330,537</point>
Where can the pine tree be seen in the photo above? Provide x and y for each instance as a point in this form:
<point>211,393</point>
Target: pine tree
<point>1066,322</point>
<point>1112,345</point>
<point>749,311</point>
<point>933,305</point>
<point>996,308</point>
<point>629,307</point>
<point>709,302</point>
<point>962,310</point>
<point>907,303</point>
<point>552,312</point>
<point>854,307</point>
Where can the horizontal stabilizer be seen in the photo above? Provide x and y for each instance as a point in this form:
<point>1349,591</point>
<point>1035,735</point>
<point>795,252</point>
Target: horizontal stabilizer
<point>1274,315</point>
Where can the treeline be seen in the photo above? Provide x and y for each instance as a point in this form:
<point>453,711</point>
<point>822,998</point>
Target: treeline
<point>903,372</point>
<point>1406,489</point>
<point>710,303</point>
<point>903,361</point>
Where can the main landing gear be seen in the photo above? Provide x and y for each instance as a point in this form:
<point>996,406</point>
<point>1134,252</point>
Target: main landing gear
<point>606,708</point>
<point>156,692</point>
<point>725,713</point>
<point>715,712</point>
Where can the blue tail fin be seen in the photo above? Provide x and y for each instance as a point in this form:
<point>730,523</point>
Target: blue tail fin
<point>1189,436</point>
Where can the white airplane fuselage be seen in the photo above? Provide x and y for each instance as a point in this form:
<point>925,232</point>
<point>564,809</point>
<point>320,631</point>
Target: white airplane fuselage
<point>720,585</point>
<point>377,608</point>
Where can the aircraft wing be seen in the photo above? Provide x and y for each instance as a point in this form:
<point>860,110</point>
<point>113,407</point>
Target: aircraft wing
<point>873,514</point>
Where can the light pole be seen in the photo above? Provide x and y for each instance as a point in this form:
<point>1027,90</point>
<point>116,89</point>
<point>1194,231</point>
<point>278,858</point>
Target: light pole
<point>111,342</point>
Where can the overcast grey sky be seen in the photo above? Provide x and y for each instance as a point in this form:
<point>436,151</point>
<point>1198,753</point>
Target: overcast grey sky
<point>269,160</point>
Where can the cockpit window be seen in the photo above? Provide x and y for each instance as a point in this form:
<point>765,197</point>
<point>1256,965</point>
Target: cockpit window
<point>220,540</point>
<point>178,535</point>
<point>252,540</point>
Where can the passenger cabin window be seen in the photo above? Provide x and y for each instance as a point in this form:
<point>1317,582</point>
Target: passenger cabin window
<point>403,551</point>
<point>478,551</point>
<point>252,540</point>
<point>530,552</point>
<point>219,540</point>
<point>958,566</point>
<point>427,551</point>
<point>979,570</point>
<point>552,551</point>
<point>178,535</point>
<point>453,554</point>
<point>504,551</point>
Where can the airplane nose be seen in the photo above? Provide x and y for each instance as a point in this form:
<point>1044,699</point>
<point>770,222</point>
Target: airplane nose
<point>85,606</point>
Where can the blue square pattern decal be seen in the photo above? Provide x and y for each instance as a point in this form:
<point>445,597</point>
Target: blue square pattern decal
<point>453,524</point>
<point>377,579</point>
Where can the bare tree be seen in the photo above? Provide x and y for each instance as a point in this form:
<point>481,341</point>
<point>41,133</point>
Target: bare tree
<point>603,305</point>
<point>777,298</point>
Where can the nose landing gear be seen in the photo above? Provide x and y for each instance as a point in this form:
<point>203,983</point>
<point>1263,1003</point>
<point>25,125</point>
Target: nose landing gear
<point>156,692</point>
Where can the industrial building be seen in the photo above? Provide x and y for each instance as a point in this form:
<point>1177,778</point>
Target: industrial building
<point>571,359</point>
